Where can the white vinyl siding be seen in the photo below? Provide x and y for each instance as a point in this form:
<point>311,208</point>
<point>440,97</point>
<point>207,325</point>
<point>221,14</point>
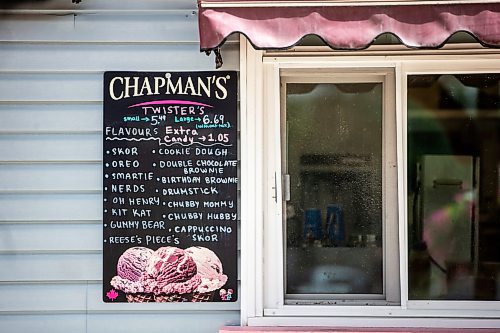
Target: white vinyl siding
<point>52,58</point>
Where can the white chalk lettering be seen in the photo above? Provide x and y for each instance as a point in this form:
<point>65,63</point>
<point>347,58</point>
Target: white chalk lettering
<point>150,239</point>
<point>180,180</point>
<point>204,238</point>
<point>124,224</point>
<point>127,188</point>
<point>221,180</point>
<point>189,171</point>
<point>185,216</point>
<point>125,164</point>
<point>125,151</point>
<point>211,151</point>
<point>144,201</point>
<point>183,204</point>
<point>141,212</point>
<point>176,164</point>
<point>125,240</point>
<point>153,224</point>
<point>214,163</point>
<point>222,216</point>
<point>218,204</point>
<point>130,131</point>
<point>132,176</point>
<point>119,211</point>
<point>203,229</point>
<point>174,151</point>
<point>190,191</point>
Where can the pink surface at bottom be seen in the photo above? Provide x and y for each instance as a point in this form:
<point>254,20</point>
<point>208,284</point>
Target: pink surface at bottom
<point>259,329</point>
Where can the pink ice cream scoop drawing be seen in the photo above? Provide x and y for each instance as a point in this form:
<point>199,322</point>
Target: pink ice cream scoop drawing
<point>210,270</point>
<point>131,269</point>
<point>169,274</point>
<point>172,271</point>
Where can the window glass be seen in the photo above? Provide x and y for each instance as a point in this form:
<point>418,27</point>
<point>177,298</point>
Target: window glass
<point>334,222</point>
<point>453,187</point>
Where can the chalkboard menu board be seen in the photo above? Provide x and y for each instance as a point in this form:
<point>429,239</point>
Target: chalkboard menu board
<point>170,187</point>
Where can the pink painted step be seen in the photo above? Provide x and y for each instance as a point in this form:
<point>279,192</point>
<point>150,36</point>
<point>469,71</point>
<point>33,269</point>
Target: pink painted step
<point>258,329</point>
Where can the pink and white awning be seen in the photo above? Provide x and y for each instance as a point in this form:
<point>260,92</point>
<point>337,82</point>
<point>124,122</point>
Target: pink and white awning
<point>281,24</point>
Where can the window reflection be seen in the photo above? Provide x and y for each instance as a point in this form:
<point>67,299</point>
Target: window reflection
<point>453,187</point>
<point>334,217</point>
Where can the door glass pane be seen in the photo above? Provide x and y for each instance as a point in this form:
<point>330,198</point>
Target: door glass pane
<point>453,187</point>
<point>334,215</point>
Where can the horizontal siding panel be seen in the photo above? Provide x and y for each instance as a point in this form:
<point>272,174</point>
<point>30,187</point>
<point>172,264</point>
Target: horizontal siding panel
<point>175,27</point>
<point>46,297</point>
<point>51,147</point>
<point>35,237</point>
<point>100,5</point>
<point>50,117</point>
<point>49,176</point>
<point>51,87</point>
<point>76,87</point>
<point>209,322</point>
<point>15,27</point>
<point>83,27</point>
<point>43,323</point>
<point>108,57</point>
<point>172,322</point>
<point>50,207</point>
<point>51,267</point>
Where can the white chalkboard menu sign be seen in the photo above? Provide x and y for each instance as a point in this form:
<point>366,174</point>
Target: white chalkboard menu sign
<point>170,187</point>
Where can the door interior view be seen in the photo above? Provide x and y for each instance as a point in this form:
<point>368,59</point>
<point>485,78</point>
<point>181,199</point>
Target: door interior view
<point>333,156</point>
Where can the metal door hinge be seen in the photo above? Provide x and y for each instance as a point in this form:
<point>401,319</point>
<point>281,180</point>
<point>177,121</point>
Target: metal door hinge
<point>286,187</point>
